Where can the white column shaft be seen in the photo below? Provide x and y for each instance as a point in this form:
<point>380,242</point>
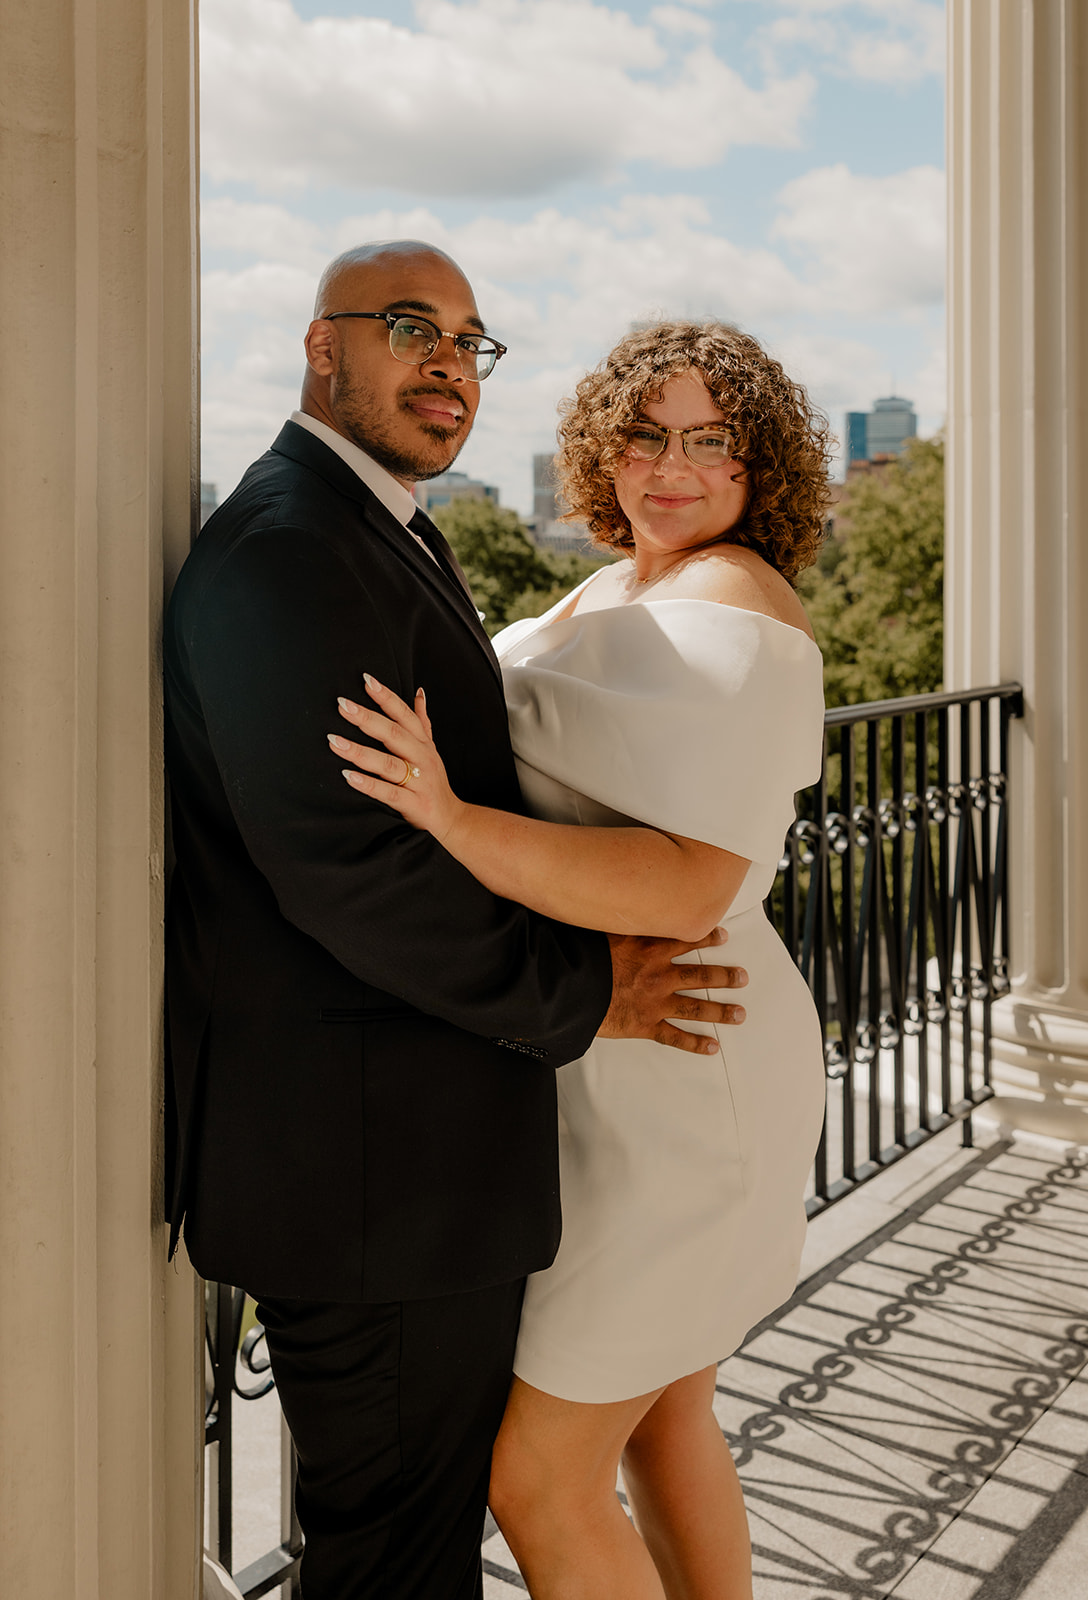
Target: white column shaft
<point>1017,583</point>
<point>98,1340</point>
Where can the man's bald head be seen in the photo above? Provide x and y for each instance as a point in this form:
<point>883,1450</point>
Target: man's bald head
<point>348,267</point>
<point>411,419</point>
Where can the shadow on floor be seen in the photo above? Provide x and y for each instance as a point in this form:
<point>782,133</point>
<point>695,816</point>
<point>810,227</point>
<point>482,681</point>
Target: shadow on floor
<point>913,1423</point>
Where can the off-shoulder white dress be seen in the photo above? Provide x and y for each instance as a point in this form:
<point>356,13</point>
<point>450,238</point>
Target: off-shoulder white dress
<point>682,1175</point>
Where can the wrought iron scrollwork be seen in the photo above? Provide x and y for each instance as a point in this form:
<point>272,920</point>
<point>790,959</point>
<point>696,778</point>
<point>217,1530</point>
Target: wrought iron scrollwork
<point>892,898</point>
<point>839,831</point>
<point>936,803</point>
<point>257,1364</point>
<point>892,814</point>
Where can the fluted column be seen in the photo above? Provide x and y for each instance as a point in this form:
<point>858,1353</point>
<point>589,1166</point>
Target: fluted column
<point>1017,567</point>
<point>99,1350</point>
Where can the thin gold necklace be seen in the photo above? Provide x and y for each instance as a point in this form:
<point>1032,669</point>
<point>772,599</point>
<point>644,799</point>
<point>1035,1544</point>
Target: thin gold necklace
<point>677,566</point>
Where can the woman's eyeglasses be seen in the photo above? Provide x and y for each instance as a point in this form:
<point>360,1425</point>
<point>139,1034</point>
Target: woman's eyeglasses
<point>414,340</point>
<point>705,447</point>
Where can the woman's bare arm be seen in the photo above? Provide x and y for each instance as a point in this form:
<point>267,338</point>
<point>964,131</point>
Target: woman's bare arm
<point>621,880</point>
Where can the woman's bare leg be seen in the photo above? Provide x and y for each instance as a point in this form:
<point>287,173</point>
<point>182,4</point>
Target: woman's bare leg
<point>684,1491</point>
<point>553,1494</point>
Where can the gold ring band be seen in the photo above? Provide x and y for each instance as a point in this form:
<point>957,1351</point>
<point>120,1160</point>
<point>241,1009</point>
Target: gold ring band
<point>409,773</point>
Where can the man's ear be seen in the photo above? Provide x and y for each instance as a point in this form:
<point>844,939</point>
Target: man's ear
<point>320,336</point>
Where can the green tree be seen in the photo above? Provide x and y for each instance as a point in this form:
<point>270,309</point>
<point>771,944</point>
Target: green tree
<point>508,575</point>
<point>875,595</point>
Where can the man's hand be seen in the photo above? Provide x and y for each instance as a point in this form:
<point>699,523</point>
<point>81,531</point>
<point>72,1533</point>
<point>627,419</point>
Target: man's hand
<point>648,985</point>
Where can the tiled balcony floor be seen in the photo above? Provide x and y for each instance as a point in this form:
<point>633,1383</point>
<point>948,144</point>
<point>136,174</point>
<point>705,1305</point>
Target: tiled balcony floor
<point>915,1422</point>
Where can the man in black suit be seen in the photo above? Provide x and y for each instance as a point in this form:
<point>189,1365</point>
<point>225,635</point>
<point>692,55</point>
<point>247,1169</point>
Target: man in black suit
<point>362,1039</point>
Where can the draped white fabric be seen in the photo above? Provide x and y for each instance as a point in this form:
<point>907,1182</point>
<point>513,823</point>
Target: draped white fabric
<point>682,1175</point>
<point>697,718</point>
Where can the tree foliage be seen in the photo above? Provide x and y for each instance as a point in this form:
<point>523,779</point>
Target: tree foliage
<point>875,595</point>
<point>509,577</point>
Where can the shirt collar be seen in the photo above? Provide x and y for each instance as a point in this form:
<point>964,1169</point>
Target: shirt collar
<point>393,495</point>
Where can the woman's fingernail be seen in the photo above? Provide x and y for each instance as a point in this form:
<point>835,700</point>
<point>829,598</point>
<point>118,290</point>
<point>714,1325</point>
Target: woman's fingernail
<point>421,696</point>
<point>371,683</point>
<point>345,704</point>
<point>338,743</point>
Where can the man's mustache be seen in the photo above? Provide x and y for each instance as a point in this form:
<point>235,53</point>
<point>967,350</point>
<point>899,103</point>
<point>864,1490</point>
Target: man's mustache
<point>437,390</point>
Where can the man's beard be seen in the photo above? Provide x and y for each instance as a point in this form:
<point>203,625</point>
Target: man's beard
<point>363,419</point>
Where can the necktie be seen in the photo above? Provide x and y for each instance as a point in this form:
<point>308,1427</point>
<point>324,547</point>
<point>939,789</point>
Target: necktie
<point>424,529</point>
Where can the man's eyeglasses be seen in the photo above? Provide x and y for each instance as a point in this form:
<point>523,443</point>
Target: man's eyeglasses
<point>705,447</point>
<point>414,340</point>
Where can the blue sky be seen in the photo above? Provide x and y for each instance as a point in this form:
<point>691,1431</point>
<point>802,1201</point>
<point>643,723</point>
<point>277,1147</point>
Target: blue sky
<point>775,162</point>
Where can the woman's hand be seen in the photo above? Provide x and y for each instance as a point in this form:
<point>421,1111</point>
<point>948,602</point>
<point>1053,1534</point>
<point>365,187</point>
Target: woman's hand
<point>408,774</point>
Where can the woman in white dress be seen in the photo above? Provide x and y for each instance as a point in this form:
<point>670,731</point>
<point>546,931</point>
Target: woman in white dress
<point>670,707</point>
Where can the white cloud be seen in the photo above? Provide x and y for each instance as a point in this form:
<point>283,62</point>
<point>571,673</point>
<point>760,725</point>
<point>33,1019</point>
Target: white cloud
<point>485,97</point>
<point>882,41</point>
<point>266,231</point>
<point>560,290</point>
<point>929,384</point>
<point>678,19</point>
<point>842,371</point>
<point>872,244</point>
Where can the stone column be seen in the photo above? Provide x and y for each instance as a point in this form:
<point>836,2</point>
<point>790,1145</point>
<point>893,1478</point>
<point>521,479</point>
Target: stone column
<point>100,1354</point>
<point>1017,548</point>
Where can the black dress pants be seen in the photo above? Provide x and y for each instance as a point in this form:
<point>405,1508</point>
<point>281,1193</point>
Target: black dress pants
<point>394,1409</point>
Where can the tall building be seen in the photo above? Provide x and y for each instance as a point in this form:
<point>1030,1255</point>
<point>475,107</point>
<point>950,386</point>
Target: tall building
<point>449,486</point>
<point>892,422</point>
<point>857,436</point>
<point>546,506</point>
<point>546,530</point>
<point>883,431</point>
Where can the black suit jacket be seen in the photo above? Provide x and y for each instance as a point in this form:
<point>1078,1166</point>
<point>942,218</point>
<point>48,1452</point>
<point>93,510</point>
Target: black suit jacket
<point>362,1040</point>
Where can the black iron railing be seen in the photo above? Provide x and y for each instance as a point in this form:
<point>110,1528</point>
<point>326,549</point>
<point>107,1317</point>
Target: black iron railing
<point>233,1357</point>
<point>892,896</point>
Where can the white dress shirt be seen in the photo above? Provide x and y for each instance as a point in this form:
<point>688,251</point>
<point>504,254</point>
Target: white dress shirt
<point>393,495</point>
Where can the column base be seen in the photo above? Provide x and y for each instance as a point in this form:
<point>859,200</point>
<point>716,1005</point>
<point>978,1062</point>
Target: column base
<point>1040,1068</point>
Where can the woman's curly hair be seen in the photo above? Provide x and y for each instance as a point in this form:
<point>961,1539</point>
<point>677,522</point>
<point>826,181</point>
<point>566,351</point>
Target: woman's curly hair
<point>782,440</point>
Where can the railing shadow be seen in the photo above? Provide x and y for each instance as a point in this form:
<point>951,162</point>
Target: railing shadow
<point>913,1367</point>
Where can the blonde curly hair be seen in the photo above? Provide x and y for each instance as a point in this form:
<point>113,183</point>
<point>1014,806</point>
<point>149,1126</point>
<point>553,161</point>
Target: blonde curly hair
<point>783,442</point>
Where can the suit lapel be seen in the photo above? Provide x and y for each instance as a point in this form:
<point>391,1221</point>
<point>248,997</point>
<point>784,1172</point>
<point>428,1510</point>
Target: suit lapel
<point>442,576</point>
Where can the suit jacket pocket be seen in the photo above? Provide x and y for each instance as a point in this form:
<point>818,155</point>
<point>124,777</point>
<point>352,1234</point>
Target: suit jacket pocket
<point>377,1013</point>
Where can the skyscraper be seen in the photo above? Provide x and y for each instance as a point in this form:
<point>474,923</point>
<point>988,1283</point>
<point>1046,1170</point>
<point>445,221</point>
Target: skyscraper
<point>547,531</point>
<point>545,489</point>
<point>857,436</point>
<point>892,422</point>
<point>883,431</point>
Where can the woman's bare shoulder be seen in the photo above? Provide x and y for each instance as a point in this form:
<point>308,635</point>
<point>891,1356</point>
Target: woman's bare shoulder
<point>734,576</point>
<point>609,586</point>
